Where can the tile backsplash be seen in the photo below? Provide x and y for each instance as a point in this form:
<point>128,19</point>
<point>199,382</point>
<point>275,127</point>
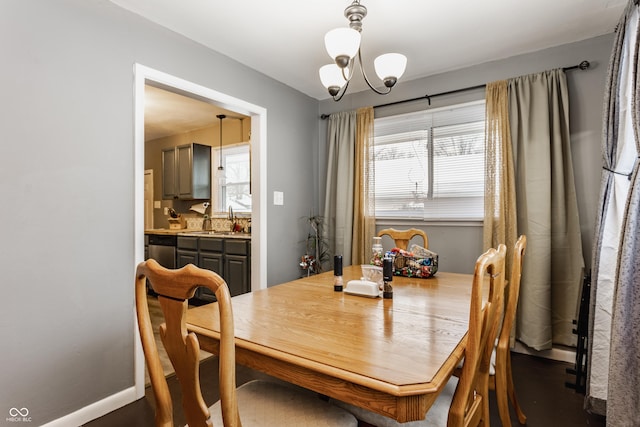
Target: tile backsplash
<point>196,222</point>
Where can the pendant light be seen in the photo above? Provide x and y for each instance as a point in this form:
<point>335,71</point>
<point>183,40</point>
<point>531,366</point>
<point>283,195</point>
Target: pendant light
<point>220,167</point>
<point>343,46</point>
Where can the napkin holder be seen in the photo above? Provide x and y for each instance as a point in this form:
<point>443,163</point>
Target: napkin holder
<point>364,288</point>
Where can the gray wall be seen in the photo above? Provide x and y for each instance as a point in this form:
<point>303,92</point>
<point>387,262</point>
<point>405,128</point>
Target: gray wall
<point>586,92</point>
<point>67,178</point>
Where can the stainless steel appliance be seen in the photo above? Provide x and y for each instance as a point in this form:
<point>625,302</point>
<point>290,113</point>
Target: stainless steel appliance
<point>162,248</point>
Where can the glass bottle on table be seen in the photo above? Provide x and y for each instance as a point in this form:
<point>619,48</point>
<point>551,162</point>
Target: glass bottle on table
<point>376,251</point>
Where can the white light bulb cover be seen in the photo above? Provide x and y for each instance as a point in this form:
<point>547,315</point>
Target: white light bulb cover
<point>331,75</point>
<point>390,65</point>
<point>342,41</point>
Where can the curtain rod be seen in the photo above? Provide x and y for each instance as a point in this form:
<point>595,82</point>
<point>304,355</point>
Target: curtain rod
<point>583,66</point>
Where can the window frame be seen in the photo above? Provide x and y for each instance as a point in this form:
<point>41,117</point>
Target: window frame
<point>219,187</point>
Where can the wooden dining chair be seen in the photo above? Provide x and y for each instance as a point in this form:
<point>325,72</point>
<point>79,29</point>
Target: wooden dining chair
<point>256,403</point>
<point>464,401</point>
<point>501,377</point>
<point>402,237</point>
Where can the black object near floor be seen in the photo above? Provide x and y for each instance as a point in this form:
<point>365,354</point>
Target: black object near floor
<point>540,385</point>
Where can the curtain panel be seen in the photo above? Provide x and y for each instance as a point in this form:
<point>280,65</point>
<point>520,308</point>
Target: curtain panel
<point>338,210</point>
<point>547,209</point>
<point>364,221</point>
<point>623,143</point>
<point>618,157</point>
<point>500,224</point>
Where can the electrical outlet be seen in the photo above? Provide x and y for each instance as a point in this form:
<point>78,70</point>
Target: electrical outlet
<point>166,210</point>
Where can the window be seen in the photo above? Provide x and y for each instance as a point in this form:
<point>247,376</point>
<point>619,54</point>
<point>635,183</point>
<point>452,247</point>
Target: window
<point>430,164</point>
<point>233,184</point>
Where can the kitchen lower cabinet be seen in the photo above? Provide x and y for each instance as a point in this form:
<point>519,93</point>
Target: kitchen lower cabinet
<point>212,262</point>
<point>186,257</point>
<point>237,265</point>
<point>236,269</point>
<point>230,258</point>
<point>211,257</point>
<point>187,251</point>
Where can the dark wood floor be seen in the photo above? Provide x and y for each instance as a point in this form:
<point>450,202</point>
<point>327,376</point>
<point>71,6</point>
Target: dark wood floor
<point>540,385</point>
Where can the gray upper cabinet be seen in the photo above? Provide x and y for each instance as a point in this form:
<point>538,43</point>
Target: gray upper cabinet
<point>169,173</point>
<point>186,172</point>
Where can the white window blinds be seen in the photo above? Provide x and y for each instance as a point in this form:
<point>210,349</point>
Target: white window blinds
<point>430,164</point>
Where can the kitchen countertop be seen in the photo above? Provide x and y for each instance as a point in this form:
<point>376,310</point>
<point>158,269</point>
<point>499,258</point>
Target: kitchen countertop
<point>199,233</point>
<point>164,231</point>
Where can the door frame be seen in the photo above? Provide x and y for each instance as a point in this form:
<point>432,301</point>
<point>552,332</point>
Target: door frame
<point>149,173</point>
<point>144,75</point>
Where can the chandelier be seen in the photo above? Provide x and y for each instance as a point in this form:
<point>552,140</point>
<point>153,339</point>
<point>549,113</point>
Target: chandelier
<point>343,45</point>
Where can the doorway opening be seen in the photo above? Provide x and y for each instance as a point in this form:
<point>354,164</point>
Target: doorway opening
<point>148,76</point>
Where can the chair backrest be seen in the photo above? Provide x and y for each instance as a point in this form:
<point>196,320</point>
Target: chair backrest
<point>174,288</point>
<point>402,237</point>
<point>512,294</point>
<point>470,404</point>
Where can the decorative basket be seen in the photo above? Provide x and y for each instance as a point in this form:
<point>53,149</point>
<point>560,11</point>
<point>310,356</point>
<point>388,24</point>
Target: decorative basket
<point>419,262</point>
<point>175,224</point>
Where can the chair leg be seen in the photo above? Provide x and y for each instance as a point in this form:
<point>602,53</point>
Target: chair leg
<point>522,418</point>
<point>502,400</point>
<point>501,378</point>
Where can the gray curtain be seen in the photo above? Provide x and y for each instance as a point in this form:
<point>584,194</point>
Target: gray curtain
<point>622,137</point>
<point>547,209</point>
<point>618,158</point>
<point>338,211</point>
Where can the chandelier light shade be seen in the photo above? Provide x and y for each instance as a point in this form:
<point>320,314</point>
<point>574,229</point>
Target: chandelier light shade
<point>343,46</point>
<point>332,78</point>
<point>390,67</point>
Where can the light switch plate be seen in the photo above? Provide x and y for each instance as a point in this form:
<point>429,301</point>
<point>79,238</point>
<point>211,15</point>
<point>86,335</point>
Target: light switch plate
<point>157,204</point>
<point>278,198</point>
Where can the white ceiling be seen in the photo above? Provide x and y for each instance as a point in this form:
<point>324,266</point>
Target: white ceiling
<point>167,113</point>
<point>284,39</point>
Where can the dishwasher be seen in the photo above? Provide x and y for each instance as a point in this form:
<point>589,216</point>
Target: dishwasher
<point>162,248</point>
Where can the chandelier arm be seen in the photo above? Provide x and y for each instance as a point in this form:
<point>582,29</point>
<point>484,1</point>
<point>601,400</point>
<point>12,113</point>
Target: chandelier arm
<point>343,90</point>
<point>366,79</point>
<point>350,66</point>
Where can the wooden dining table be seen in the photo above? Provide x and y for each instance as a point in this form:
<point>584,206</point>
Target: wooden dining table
<point>391,356</point>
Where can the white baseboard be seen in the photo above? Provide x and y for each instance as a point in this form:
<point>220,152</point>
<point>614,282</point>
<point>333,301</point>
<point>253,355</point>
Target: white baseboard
<point>96,410</point>
<point>559,354</point>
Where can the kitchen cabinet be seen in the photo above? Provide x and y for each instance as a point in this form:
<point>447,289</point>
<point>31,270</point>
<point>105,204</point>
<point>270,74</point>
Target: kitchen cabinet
<point>211,257</point>
<point>186,172</point>
<point>237,265</point>
<point>230,258</point>
<point>186,257</point>
<point>187,251</point>
<point>236,269</point>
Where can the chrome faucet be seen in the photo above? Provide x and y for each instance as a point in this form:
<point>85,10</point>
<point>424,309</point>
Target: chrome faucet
<point>232,218</point>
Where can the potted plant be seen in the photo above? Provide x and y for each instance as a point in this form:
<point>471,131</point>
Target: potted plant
<point>317,247</point>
